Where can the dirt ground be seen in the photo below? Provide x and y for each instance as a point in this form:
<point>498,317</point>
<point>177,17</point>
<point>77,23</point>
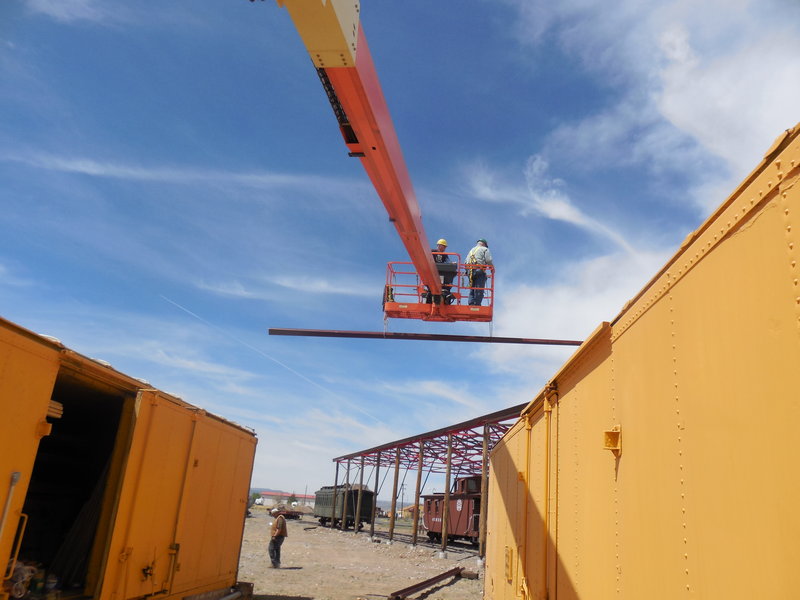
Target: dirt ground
<point>322,564</point>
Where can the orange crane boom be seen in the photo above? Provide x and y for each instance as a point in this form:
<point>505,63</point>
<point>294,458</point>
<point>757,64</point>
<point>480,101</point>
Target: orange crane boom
<point>333,36</point>
<point>335,40</point>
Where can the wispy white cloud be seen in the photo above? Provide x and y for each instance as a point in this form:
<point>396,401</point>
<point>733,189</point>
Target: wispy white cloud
<point>209,369</point>
<point>9,278</point>
<point>437,391</point>
<point>688,91</point>
<point>724,101</point>
<point>586,294</point>
<point>276,288</point>
<point>70,10</point>
<point>177,175</point>
<point>541,195</point>
<point>324,286</point>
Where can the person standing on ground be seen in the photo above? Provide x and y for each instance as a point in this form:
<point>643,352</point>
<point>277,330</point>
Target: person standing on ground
<point>479,255</point>
<point>278,534</point>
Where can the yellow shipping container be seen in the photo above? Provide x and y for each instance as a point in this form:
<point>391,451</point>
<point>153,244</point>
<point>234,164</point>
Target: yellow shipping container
<point>111,489</point>
<point>661,460</point>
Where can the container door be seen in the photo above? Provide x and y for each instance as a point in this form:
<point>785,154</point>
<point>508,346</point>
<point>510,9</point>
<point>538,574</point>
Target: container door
<point>214,504</point>
<point>142,557</point>
<point>28,371</point>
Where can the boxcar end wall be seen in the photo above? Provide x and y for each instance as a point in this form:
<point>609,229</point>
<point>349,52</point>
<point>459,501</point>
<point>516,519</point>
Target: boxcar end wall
<point>113,489</point>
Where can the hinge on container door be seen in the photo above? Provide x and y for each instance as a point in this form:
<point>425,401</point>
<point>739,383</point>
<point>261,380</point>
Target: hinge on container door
<point>509,555</point>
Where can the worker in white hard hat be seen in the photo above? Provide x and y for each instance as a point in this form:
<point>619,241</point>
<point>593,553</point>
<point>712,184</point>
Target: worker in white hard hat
<point>477,259</point>
<point>440,256</point>
<point>278,533</point>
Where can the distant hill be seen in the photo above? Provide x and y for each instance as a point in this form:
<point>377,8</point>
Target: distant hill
<point>269,490</point>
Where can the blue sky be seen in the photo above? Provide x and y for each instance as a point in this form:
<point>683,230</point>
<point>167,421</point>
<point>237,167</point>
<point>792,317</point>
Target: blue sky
<point>173,183</point>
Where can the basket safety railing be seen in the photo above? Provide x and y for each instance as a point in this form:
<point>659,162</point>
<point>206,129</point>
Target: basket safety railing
<point>403,284</point>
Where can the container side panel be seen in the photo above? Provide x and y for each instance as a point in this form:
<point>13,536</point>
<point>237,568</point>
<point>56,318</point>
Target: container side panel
<point>504,514</point>
<point>214,506</point>
<point>738,389</point>
<point>533,493</point>
<point>144,530</point>
<point>240,494</point>
<point>646,512</point>
<point>586,494</point>
<point>27,374</point>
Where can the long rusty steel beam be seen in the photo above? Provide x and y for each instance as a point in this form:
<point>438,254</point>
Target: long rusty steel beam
<point>433,337</point>
<point>412,589</point>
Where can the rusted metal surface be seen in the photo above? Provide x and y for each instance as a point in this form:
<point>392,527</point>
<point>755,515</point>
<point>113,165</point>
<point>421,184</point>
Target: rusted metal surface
<point>484,493</point>
<point>417,488</point>
<point>433,337</point>
<point>374,496</point>
<point>462,506</point>
<point>394,494</point>
<point>360,494</point>
<point>417,587</point>
<point>446,506</point>
<point>467,444</point>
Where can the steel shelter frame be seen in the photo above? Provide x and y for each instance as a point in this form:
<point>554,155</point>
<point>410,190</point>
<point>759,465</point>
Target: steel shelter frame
<point>461,448</point>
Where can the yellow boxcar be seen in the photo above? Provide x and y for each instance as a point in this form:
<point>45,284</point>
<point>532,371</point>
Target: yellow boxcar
<point>661,461</point>
<point>109,489</point>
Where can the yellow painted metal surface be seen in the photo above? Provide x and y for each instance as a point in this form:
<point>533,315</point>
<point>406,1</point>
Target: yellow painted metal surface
<point>329,29</point>
<point>27,371</point>
<point>672,446</point>
<point>171,500</point>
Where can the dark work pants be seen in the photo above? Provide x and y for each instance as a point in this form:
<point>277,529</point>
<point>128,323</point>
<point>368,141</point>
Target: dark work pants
<point>478,281</point>
<point>275,550</point>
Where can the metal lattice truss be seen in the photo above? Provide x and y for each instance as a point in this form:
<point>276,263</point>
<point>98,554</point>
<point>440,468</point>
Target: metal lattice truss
<point>466,439</point>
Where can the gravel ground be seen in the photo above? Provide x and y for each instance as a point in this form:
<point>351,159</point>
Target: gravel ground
<point>322,564</point>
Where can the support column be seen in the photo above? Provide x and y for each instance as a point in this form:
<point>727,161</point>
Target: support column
<point>335,491</point>
<point>484,493</point>
<point>357,516</point>
<point>415,526</point>
<point>394,493</point>
<point>375,497</point>
<point>346,497</point>
<point>446,507</point>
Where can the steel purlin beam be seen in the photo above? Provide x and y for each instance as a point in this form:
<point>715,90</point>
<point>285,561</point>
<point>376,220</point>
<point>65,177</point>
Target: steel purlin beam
<point>388,335</point>
<point>467,449</point>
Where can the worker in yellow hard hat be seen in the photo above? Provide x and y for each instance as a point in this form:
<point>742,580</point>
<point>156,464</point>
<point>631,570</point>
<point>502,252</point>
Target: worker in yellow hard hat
<point>441,257</point>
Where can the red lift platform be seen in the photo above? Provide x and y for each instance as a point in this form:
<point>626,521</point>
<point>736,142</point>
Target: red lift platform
<point>407,297</point>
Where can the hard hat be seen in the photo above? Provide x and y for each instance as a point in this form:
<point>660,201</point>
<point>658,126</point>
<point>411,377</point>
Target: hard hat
<point>442,241</point>
<point>483,241</point>
<point>274,510</point>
